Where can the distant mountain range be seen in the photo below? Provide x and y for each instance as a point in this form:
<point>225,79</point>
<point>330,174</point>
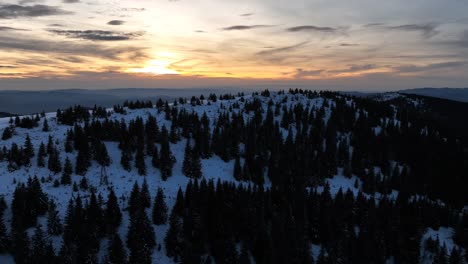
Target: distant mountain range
<point>27,102</point>
<point>455,94</point>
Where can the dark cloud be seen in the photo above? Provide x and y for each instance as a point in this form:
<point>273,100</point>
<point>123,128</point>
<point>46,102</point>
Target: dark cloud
<point>281,50</point>
<point>14,11</point>
<point>22,2</point>
<point>348,45</point>
<point>7,67</point>
<point>373,24</point>
<point>56,25</point>
<point>246,14</point>
<point>428,67</point>
<point>355,68</point>
<point>427,30</point>
<point>244,27</point>
<point>70,1</point>
<point>68,48</point>
<point>309,28</point>
<point>301,73</point>
<point>116,22</point>
<point>200,31</point>
<point>2,28</point>
<point>97,35</point>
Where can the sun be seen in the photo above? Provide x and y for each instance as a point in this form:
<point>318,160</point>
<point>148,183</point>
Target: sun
<point>160,65</point>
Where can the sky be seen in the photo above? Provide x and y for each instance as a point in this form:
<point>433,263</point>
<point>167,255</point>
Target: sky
<point>364,45</point>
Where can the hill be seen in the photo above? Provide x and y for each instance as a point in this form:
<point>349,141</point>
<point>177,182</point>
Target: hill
<point>259,178</point>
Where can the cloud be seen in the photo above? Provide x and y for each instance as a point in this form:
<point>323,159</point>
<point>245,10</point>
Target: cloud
<point>12,29</point>
<point>7,67</point>
<point>301,73</point>
<point>97,35</point>
<point>57,48</point>
<point>246,14</point>
<point>14,11</point>
<point>348,45</point>
<point>282,49</point>
<point>355,68</point>
<point>116,22</point>
<point>308,28</point>
<point>428,67</point>
<point>427,30</point>
<point>70,1</point>
<point>244,27</point>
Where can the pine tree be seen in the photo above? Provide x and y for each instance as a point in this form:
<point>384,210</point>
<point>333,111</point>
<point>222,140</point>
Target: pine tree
<point>174,236</point>
<point>38,247</point>
<point>166,159</point>
<point>125,159</point>
<point>45,126</point>
<point>54,163</point>
<point>20,247</point>
<point>140,238</point>
<point>191,166</point>
<point>102,156</point>
<point>50,145</point>
<point>4,239</point>
<point>186,164</point>
<point>237,169</point>
<point>67,172</point>
<point>134,201</point>
<point>159,209</point>
<point>155,158</point>
<point>7,133</point>
<point>28,147</point>
<point>140,161</point>
<point>145,197</point>
<point>116,251</point>
<point>40,155</point>
<point>112,214</point>
<point>54,225</point>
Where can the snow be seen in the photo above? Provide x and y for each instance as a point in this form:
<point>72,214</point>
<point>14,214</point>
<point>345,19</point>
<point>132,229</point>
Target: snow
<point>122,181</point>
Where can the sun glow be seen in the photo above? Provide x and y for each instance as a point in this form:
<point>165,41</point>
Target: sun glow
<point>160,66</point>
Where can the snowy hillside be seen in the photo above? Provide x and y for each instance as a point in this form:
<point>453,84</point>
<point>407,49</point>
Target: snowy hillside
<point>336,178</point>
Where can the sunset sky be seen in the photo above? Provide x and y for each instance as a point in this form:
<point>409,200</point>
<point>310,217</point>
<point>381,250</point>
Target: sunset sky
<point>352,44</point>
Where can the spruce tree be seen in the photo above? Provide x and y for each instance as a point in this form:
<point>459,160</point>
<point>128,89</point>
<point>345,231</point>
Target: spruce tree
<point>237,169</point>
<point>4,239</point>
<point>45,126</point>
<point>166,159</point>
<point>67,172</point>
<point>159,209</point>
<point>112,213</point>
<point>54,163</point>
<point>40,155</point>
<point>140,238</point>
<point>145,197</point>
<point>54,225</point>
<point>28,147</point>
<point>116,251</point>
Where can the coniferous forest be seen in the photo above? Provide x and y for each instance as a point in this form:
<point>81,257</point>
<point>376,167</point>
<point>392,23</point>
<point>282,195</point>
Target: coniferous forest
<point>292,176</point>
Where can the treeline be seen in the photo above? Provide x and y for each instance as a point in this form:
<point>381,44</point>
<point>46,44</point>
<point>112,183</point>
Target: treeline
<point>227,223</point>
